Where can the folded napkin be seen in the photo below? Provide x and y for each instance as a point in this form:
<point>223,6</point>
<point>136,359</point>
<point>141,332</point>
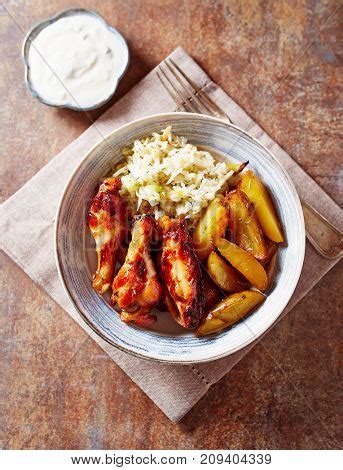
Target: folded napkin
<point>27,219</point>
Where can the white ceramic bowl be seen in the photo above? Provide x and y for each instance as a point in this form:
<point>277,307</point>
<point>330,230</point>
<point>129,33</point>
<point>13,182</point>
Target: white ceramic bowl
<point>166,341</point>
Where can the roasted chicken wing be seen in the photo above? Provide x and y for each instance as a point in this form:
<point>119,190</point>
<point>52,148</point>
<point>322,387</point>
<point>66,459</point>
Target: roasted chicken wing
<point>107,219</point>
<point>181,273</point>
<point>136,288</point>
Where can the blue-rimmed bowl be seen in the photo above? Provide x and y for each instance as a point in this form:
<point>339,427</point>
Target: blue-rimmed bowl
<point>166,341</point>
<point>33,33</point>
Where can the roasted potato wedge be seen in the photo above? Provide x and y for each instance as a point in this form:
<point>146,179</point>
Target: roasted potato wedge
<point>210,227</point>
<point>244,262</point>
<point>245,229</point>
<point>212,293</point>
<point>229,311</point>
<point>224,275</point>
<point>259,195</point>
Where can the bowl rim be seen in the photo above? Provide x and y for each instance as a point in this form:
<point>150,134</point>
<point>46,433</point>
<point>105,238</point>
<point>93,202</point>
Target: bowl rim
<point>183,360</point>
<point>38,27</point>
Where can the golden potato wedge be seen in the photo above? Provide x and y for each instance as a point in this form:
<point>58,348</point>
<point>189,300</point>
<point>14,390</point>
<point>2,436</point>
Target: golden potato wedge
<point>259,195</point>
<point>245,229</point>
<point>210,227</point>
<point>224,275</point>
<point>212,294</point>
<point>229,311</point>
<point>244,262</point>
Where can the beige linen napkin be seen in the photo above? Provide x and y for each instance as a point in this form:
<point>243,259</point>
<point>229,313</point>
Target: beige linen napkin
<point>175,389</point>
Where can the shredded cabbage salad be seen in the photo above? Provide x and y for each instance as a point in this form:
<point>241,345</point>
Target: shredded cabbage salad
<point>172,175</point>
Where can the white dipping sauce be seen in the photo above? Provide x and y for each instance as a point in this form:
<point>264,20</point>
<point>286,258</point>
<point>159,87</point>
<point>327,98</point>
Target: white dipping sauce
<point>76,61</point>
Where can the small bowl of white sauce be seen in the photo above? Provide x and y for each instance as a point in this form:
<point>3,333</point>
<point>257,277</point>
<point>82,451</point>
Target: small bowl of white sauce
<point>74,60</point>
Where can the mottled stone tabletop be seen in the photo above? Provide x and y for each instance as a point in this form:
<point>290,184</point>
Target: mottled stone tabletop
<point>281,61</point>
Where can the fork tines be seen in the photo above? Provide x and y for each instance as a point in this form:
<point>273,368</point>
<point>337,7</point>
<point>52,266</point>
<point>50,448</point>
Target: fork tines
<point>185,93</point>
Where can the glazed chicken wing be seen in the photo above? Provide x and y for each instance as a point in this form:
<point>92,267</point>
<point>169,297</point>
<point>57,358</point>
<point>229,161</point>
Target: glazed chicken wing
<point>181,273</point>
<point>107,223</point>
<point>136,288</point>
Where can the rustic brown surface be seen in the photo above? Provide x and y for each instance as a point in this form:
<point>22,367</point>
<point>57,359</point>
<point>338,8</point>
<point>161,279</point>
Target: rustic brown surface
<point>281,61</point>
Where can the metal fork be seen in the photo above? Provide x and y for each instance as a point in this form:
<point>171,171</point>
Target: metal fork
<point>324,237</point>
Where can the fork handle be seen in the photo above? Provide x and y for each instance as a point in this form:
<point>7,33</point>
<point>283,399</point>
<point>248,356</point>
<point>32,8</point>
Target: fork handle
<point>325,238</point>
